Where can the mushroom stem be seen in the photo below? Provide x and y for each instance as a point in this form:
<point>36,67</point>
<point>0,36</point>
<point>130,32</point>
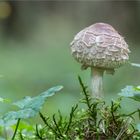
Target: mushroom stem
<point>97,82</point>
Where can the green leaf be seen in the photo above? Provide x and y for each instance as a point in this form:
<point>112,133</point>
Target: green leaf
<point>29,107</point>
<point>24,102</point>
<point>11,117</point>
<point>7,123</point>
<point>36,102</point>
<point>128,91</point>
<point>131,92</point>
<point>24,126</point>
<point>135,65</point>
<point>137,88</point>
<point>4,100</point>
<point>51,91</point>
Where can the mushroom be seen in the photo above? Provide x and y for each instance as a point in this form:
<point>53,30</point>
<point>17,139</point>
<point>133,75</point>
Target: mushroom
<point>101,48</point>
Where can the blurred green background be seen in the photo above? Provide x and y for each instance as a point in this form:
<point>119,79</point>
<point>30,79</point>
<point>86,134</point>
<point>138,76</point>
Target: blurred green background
<point>35,52</point>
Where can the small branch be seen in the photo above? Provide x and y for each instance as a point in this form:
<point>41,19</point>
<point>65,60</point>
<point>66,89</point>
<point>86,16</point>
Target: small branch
<point>124,128</point>
<point>17,125</point>
<point>130,114</point>
<point>85,92</point>
<point>21,137</point>
<point>112,113</point>
<point>92,106</point>
<point>47,124</point>
<point>57,127</point>
<point>71,117</point>
<point>37,133</point>
<point>43,118</point>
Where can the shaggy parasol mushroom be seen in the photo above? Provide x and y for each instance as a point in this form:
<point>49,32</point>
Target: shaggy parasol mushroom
<point>100,47</point>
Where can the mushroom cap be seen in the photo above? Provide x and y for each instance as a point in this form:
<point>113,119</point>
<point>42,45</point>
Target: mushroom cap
<point>100,45</point>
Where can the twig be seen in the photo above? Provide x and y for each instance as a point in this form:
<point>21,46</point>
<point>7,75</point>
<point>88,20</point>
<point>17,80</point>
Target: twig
<point>21,136</point>
<point>45,121</point>
<point>57,127</point>
<point>43,118</point>
<point>71,117</point>
<point>112,113</point>
<point>124,128</point>
<point>37,133</point>
<point>85,92</point>
<point>17,125</point>
<point>130,114</point>
<point>58,134</point>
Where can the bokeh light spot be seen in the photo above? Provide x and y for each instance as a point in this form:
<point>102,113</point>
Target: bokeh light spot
<point>5,10</point>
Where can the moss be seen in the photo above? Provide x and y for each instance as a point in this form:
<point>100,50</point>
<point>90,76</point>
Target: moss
<point>97,121</point>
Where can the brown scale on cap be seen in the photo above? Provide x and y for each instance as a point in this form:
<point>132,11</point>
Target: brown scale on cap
<point>100,47</point>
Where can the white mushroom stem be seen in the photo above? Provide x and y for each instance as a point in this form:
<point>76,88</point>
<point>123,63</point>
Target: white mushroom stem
<point>97,82</point>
